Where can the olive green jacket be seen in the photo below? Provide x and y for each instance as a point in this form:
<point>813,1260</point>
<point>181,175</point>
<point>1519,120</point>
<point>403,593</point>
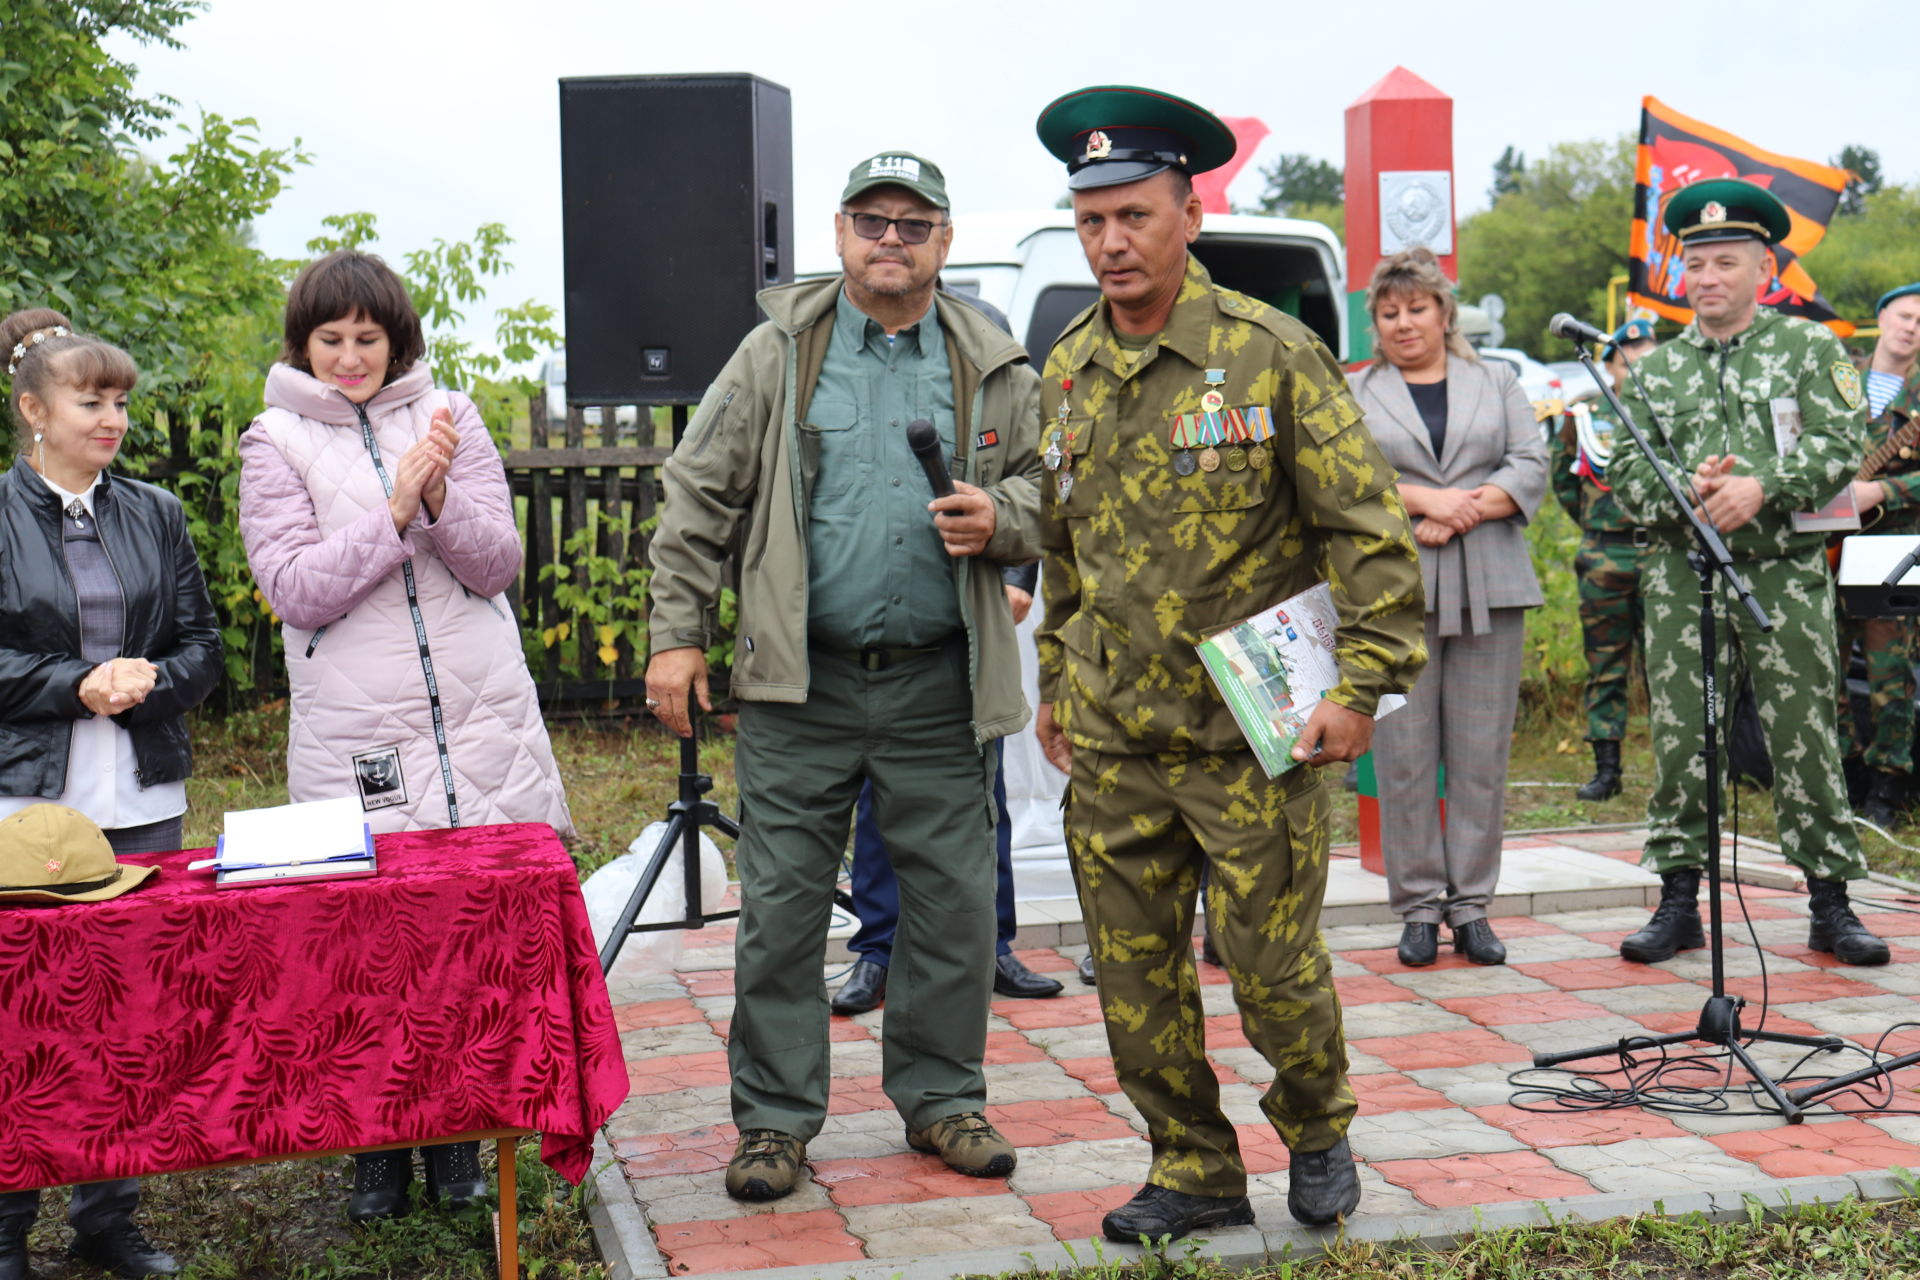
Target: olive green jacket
<point>1712,398</point>
<point>740,482</point>
<point>1143,562</point>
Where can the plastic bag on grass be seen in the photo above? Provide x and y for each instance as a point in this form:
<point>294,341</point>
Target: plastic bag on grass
<point>608,889</point>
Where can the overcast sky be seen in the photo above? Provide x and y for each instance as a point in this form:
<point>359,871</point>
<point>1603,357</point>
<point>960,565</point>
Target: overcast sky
<point>440,117</point>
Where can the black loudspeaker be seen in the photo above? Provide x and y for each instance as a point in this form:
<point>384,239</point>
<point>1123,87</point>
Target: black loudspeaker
<point>677,195</point>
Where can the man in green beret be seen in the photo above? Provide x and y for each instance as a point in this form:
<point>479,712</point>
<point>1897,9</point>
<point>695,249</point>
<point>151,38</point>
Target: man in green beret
<point>1204,462</point>
<point>874,645</point>
<point>1765,412</point>
<point>1886,644</point>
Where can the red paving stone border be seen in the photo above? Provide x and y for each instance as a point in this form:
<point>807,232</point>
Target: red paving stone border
<point>743,1237</point>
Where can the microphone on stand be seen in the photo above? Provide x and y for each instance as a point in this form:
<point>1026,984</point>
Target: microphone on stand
<point>925,443</point>
<point>1565,326</point>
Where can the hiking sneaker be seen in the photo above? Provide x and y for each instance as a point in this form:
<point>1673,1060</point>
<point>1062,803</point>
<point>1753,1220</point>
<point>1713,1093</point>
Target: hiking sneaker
<point>967,1143</point>
<point>766,1165</point>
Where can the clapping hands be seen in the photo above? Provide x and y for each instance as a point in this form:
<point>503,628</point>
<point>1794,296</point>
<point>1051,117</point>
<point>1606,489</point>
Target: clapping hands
<point>420,477</point>
<point>117,684</point>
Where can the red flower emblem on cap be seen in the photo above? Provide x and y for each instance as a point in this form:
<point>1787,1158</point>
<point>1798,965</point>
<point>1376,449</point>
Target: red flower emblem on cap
<point>1099,146</point>
<point>53,868</point>
<point>1713,211</point>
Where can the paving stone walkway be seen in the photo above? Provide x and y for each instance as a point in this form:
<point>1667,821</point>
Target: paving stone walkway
<point>1431,1050</point>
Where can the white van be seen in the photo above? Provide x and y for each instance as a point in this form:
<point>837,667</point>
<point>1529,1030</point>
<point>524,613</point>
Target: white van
<point>1030,265</point>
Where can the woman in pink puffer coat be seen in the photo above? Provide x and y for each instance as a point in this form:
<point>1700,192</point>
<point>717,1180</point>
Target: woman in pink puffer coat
<point>380,528</point>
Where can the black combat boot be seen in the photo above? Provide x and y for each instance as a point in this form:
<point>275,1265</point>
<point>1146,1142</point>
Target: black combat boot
<point>1886,797</point>
<point>1605,783</point>
<point>1676,921</point>
<point>1835,929</point>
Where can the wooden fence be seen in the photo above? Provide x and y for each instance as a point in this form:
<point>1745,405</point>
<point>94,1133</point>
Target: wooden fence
<point>564,485</point>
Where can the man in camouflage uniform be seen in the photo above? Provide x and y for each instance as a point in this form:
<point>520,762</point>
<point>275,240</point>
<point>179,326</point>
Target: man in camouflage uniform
<point>1151,542</point>
<point>1608,565</point>
<point>1720,391</point>
<point>1886,643</point>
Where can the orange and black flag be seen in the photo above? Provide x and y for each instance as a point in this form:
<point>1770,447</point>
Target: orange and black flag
<point>1676,150</point>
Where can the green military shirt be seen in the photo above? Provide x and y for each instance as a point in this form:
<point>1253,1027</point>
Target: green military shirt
<point>1591,505</point>
<point>1142,562</point>
<point>1719,398</point>
<point>877,572</point>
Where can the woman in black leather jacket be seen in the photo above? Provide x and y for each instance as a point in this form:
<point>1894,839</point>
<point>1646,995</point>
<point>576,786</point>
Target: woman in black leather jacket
<point>107,636</point>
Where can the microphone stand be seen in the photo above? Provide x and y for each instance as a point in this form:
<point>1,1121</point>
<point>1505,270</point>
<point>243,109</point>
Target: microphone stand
<point>1719,1023</point>
<point>685,817</point>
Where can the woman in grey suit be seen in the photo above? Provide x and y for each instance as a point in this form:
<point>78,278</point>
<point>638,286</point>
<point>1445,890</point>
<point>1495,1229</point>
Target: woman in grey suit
<point>1473,469</point>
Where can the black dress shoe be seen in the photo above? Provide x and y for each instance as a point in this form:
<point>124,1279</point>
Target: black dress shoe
<point>122,1250</point>
<point>453,1172</point>
<point>1208,951</point>
<point>1322,1186</point>
<point>1011,978</point>
<point>865,988</point>
<point>1419,944</point>
<point>13,1248</point>
<point>1086,968</point>
<point>1158,1211</point>
<point>1476,938</point>
<point>380,1180</point>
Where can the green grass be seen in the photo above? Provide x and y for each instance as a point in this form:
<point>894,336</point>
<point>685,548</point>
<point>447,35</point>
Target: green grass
<point>289,1222</point>
<point>1846,1240</point>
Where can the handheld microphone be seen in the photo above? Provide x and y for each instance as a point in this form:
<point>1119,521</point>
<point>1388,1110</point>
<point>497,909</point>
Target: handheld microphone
<point>925,443</point>
<point>1565,326</point>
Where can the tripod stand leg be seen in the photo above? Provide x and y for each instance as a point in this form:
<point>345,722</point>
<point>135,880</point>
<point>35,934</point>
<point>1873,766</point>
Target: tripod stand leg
<point>1765,1081</point>
<point>650,877</point>
<point>1621,1047</point>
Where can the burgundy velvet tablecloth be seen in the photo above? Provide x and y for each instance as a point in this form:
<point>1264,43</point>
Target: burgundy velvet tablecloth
<point>179,1025</point>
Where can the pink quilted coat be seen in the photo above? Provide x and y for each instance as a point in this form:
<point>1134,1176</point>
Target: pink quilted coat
<point>323,549</point>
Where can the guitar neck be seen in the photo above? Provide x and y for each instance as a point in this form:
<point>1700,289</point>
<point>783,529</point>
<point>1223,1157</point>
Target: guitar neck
<point>1876,461</point>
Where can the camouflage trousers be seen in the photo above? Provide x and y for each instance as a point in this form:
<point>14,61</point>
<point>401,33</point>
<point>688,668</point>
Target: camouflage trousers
<point>1887,646</point>
<point>1794,675</point>
<point>1139,830</point>
<point>1611,618</point>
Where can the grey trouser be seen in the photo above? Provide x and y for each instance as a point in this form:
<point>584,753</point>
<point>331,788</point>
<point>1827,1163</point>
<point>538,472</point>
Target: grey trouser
<point>908,730</point>
<point>1460,715</point>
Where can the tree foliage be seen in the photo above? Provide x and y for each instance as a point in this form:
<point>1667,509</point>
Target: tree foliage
<point>1551,243</point>
<point>1863,256</point>
<point>138,227</point>
<point>1295,181</point>
<point>1864,164</point>
<point>1509,171</point>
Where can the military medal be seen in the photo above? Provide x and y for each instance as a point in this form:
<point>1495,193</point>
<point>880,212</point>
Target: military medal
<point>1054,455</point>
<point>1066,484</point>
<point>1212,402</point>
<point>1213,431</point>
<point>1236,427</point>
<point>1180,436</point>
<point>1236,459</point>
<point>1258,422</point>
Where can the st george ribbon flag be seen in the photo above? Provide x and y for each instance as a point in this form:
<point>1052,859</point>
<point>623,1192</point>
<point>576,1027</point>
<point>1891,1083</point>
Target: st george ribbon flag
<point>1676,150</point>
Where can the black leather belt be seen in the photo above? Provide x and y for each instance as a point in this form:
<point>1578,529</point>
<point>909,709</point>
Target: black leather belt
<point>1626,537</point>
<point>879,659</point>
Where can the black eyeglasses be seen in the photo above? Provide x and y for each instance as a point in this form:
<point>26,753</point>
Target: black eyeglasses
<point>871,226</point>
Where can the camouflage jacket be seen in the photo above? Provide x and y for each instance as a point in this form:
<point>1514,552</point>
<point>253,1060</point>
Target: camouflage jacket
<point>1141,562</point>
<point>1591,507</point>
<point>1901,476</point>
<point>1713,398</point>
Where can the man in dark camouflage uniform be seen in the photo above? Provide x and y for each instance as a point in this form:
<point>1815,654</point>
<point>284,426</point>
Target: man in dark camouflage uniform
<point>1737,379</point>
<point>1151,543</point>
<point>1608,565</point>
<point>1888,503</point>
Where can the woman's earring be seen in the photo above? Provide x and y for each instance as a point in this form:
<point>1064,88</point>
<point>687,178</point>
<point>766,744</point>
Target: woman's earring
<point>37,437</point>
